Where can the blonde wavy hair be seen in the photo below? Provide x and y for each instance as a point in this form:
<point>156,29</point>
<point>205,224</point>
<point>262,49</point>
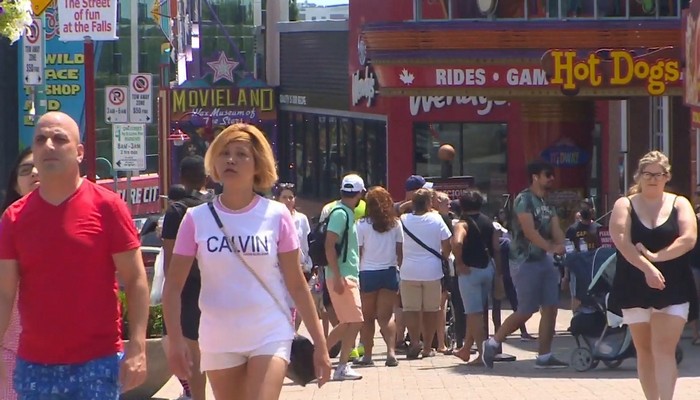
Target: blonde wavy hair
<point>651,158</point>
<point>265,168</point>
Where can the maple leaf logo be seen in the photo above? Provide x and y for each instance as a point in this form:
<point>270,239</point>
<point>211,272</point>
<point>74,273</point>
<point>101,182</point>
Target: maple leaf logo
<point>406,77</point>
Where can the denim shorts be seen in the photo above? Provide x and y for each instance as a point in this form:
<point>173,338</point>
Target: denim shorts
<point>475,288</point>
<point>536,284</point>
<point>372,281</point>
<point>94,380</point>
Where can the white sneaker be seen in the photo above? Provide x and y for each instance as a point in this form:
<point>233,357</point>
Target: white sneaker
<point>345,373</point>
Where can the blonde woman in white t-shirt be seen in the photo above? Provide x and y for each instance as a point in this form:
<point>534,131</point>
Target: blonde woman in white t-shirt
<point>380,238</point>
<point>244,336</point>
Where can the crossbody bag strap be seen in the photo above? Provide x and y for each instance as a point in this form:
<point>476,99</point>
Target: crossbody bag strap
<point>285,309</point>
<point>486,247</point>
<point>420,242</point>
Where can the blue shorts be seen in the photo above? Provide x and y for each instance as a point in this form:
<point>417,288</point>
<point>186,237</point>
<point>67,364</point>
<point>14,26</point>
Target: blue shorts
<point>94,380</point>
<point>536,284</point>
<point>372,281</point>
<point>475,289</point>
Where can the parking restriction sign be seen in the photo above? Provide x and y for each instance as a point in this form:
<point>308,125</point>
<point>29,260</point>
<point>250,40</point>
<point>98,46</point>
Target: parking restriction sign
<point>129,147</point>
<point>116,104</point>
<point>141,98</point>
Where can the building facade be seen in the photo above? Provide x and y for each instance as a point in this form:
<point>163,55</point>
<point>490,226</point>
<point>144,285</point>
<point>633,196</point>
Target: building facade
<point>591,86</point>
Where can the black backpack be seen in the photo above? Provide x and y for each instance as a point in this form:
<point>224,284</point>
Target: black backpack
<point>317,240</point>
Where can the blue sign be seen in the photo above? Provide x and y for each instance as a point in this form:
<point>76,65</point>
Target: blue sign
<point>565,155</point>
<point>65,80</point>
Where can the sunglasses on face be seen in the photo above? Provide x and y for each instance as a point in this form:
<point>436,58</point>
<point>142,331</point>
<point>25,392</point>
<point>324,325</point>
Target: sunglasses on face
<point>652,175</point>
<point>25,169</point>
<point>549,174</point>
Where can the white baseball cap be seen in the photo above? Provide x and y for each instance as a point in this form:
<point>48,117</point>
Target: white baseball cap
<point>352,183</point>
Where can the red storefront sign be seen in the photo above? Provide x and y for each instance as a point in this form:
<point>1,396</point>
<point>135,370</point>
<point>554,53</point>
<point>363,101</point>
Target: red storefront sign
<point>145,193</point>
<point>476,76</point>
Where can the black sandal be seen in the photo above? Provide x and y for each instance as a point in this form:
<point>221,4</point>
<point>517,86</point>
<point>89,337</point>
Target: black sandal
<point>391,362</point>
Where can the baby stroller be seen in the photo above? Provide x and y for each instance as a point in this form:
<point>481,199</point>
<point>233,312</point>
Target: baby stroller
<point>598,329</point>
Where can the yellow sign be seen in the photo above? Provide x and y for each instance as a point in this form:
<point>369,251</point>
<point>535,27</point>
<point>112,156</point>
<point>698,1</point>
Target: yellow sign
<point>155,11</point>
<point>39,6</point>
<point>262,99</point>
<point>655,70</point>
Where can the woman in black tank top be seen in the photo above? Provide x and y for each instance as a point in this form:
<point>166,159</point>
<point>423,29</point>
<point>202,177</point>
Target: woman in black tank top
<point>653,231</point>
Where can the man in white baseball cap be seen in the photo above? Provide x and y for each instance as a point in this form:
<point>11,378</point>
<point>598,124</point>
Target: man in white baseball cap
<point>343,273</point>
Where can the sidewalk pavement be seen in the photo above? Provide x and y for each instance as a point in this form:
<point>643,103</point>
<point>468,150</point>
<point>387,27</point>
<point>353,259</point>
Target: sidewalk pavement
<point>446,377</point>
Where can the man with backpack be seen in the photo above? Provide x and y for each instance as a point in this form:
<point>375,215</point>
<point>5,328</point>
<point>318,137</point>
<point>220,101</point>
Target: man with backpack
<point>193,177</point>
<point>342,273</point>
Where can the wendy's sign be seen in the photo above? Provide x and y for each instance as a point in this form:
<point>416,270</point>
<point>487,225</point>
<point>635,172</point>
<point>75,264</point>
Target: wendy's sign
<point>565,154</point>
<point>656,70</point>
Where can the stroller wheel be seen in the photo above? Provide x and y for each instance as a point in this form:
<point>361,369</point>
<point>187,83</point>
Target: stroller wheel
<point>582,359</point>
<point>679,354</point>
<point>612,364</point>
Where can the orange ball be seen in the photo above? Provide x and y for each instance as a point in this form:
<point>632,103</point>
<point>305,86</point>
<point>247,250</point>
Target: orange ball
<point>446,152</point>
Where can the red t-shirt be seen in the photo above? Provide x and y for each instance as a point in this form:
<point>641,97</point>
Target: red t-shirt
<point>68,289</point>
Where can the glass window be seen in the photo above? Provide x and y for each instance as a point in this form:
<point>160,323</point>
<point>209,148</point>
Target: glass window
<point>324,148</point>
<point>347,150</point>
<point>334,156</point>
<point>480,152</point>
<point>361,147</point>
<point>376,152</point>
<point>428,139</point>
<point>555,9</point>
<point>310,156</point>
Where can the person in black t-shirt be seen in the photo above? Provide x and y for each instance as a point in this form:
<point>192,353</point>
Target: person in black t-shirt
<point>193,177</point>
<point>585,231</point>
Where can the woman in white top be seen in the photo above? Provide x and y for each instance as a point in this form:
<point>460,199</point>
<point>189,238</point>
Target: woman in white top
<point>421,271</point>
<point>245,337</point>
<point>380,238</point>
<point>286,195</point>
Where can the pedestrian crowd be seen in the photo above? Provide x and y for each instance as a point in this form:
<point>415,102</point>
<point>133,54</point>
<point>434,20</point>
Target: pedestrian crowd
<point>244,270</point>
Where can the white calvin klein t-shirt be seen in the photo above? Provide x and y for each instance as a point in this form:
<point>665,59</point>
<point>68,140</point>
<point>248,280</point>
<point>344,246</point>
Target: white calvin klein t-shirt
<point>238,315</point>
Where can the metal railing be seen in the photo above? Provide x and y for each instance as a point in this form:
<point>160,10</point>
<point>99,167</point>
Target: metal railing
<point>556,10</point>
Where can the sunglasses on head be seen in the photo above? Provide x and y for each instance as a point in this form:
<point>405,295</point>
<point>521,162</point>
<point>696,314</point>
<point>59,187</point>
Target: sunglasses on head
<point>286,186</point>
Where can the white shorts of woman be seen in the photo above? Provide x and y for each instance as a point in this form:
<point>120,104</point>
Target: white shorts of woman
<point>640,315</point>
<point>218,361</point>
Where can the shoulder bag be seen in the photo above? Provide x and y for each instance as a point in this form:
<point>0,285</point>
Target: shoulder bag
<point>445,264</point>
<point>301,369</point>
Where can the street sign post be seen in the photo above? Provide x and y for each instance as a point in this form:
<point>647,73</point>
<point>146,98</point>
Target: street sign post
<point>129,147</point>
<point>141,98</point>
<point>116,104</point>
<point>33,54</point>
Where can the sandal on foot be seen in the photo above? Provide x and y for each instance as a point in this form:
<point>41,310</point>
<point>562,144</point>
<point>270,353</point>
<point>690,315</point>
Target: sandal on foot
<point>431,353</point>
<point>391,362</point>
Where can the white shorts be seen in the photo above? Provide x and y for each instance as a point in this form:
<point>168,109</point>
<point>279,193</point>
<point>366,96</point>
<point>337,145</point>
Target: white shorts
<point>217,361</point>
<point>643,315</point>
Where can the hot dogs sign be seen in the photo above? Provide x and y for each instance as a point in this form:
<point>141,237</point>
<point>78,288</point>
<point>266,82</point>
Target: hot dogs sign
<point>657,70</point>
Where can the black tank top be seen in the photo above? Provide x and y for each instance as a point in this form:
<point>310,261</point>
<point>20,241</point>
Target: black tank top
<point>630,289</point>
<point>476,249</point>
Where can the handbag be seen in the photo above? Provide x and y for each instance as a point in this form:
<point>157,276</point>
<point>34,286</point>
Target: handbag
<point>301,369</point>
<point>445,264</point>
